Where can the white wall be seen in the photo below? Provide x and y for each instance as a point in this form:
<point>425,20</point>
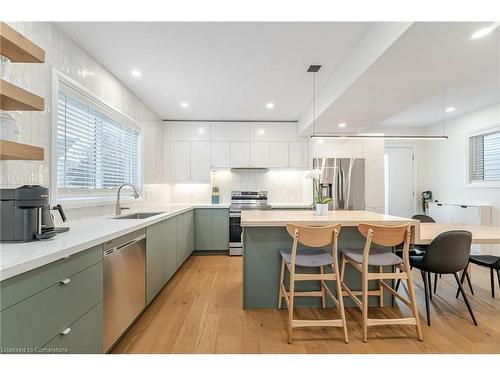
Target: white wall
<point>65,55</point>
<point>445,162</point>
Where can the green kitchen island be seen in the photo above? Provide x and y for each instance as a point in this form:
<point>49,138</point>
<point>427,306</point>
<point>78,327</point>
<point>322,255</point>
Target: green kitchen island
<point>264,234</point>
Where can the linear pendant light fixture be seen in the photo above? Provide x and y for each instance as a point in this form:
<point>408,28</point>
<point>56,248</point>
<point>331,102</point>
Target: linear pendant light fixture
<point>314,69</point>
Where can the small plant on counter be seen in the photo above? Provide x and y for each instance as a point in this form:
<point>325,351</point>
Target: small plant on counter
<point>318,198</point>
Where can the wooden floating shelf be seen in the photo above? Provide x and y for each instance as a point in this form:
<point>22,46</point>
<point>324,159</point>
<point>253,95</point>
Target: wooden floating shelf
<point>17,48</point>
<point>19,151</point>
<point>13,98</point>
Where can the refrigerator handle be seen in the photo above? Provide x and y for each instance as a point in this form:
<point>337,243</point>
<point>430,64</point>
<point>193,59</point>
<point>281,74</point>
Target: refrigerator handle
<point>341,189</point>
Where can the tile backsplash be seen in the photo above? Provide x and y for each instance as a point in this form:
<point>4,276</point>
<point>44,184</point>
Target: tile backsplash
<point>62,53</point>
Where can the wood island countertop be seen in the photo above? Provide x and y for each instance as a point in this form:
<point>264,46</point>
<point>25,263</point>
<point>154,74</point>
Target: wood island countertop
<point>258,218</point>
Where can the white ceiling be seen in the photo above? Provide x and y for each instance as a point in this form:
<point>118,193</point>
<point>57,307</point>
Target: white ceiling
<point>406,86</point>
<point>225,71</point>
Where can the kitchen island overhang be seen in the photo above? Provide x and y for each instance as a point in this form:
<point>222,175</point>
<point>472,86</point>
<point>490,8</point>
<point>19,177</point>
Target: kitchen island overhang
<point>264,234</point>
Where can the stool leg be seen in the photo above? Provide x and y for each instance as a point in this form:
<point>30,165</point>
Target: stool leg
<point>413,300</point>
<point>282,277</point>
<point>381,288</point>
<point>290,307</point>
<point>492,280</point>
<point>426,290</point>
<point>323,291</point>
<point>340,298</point>
<point>364,287</point>
<point>342,268</point>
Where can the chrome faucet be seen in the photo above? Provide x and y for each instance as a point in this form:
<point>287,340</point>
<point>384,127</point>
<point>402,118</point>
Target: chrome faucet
<point>118,208</point>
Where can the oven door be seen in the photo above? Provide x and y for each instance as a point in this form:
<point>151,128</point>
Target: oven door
<point>235,240</point>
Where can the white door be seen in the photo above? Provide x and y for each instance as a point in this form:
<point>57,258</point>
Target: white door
<point>278,154</point>
<point>399,181</point>
<point>240,154</point>
<point>200,161</point>
<point>259,154</point>
<point>180,164</point>
<point>220,155</point>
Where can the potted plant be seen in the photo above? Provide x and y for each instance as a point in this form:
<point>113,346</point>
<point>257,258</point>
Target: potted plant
<point>320,202</point>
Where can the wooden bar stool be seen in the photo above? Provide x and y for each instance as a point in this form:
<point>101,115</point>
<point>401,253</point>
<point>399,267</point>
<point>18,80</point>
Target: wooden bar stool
<point>361,259</point>
<point>314,237</point>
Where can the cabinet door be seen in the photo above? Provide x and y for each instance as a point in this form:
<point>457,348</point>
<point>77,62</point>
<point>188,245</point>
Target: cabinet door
<point>170,249</point>
<point>240,154</point>
<point>182,238</point>
<point>200,161</point>
<point>278,154</point>
<point>189,233</point>
<point>259,154</point>
<point>220,229</point>
<point>180,163</point>
<point>155,271</point>
<point>203,220</point>
<point>298,154</point>
<point>220,155</point>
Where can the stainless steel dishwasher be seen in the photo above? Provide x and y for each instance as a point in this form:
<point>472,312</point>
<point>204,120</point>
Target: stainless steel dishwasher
<point>124,261</point>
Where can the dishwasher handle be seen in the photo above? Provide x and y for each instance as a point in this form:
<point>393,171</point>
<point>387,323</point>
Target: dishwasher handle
<point>117,248</point>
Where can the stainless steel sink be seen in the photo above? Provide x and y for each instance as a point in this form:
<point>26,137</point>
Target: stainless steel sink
<point>138,215</point>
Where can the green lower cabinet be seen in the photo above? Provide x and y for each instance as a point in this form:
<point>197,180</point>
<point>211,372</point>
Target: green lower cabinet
<point>170,248</point>
<point>84,336</point>
<point>155,259</point>
<point>211,229</point>
<point>184,232</point>
<point>33,322</point>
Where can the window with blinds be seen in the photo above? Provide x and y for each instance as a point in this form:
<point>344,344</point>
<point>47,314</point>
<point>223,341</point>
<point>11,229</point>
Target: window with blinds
<point>94,152</point>
<point>484,157</point>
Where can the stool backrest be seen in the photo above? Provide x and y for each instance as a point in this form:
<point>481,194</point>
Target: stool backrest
<point>313,237</point>
<point>423,218</point>
<point>449,252</point>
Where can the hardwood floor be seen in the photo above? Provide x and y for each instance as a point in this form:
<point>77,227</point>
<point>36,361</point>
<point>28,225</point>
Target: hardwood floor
<point>199,311</point>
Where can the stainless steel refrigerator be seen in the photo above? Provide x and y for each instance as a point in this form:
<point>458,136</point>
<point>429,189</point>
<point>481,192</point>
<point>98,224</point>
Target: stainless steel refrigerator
<point>343,180</point>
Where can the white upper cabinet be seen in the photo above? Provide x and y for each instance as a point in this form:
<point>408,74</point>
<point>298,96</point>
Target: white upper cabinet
<point>273,131</point>
<point>220,155</point>
<point>190,131</point>
<point>259,154</point>
<point>230,131</point>
<point>200,161</point>
<point>298,154</point>
<point>180,161</point>
<point>278,154</point>
<point>240,154</point>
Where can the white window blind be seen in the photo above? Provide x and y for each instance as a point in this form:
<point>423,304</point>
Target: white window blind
<point>94,152</point>
<point>484,157</point>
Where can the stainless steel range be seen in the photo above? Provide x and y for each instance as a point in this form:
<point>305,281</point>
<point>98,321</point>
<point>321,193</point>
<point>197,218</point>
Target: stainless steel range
<point>240,201</point>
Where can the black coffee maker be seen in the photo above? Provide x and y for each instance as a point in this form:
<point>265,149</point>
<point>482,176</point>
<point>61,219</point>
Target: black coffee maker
<point>25,214</point>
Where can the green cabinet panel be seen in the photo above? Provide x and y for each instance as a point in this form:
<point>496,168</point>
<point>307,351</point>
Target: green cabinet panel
<point>211,229</point>
<point>84,336</point>
<point>220,229</point>
<point>183,241</point>
<point>155,259</point>
<point>34,321</point>
<point>170,250</point>
<point>19,287</point>
<point>203,219</point>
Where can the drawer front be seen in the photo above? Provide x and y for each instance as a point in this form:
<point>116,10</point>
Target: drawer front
<point>34,321</point>
<point>83,336</point>
<point>19,287</point>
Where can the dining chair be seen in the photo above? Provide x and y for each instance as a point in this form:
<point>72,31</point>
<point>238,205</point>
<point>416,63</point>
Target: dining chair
<point>489,261</point>
<point>313,257</point>
<point>363,260</point>
<point>448,253</point>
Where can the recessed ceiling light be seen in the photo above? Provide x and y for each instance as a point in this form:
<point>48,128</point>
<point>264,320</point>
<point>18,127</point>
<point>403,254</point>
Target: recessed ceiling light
<point>450,109</point>
<point>261,132</point>
<point>342,125</point>
<point>321,140</point>
<point>484,31</point>
<point>136,73</point>
<point>184,104</point>
<point>201,130</point>
<point>270,105</point>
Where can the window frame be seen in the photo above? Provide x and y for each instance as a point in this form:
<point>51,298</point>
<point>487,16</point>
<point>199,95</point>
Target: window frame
<point>79,198</point>
<point>479,184</point>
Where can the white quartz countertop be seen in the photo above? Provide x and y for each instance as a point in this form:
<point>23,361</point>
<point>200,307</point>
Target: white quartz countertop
<point>16,258</point>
